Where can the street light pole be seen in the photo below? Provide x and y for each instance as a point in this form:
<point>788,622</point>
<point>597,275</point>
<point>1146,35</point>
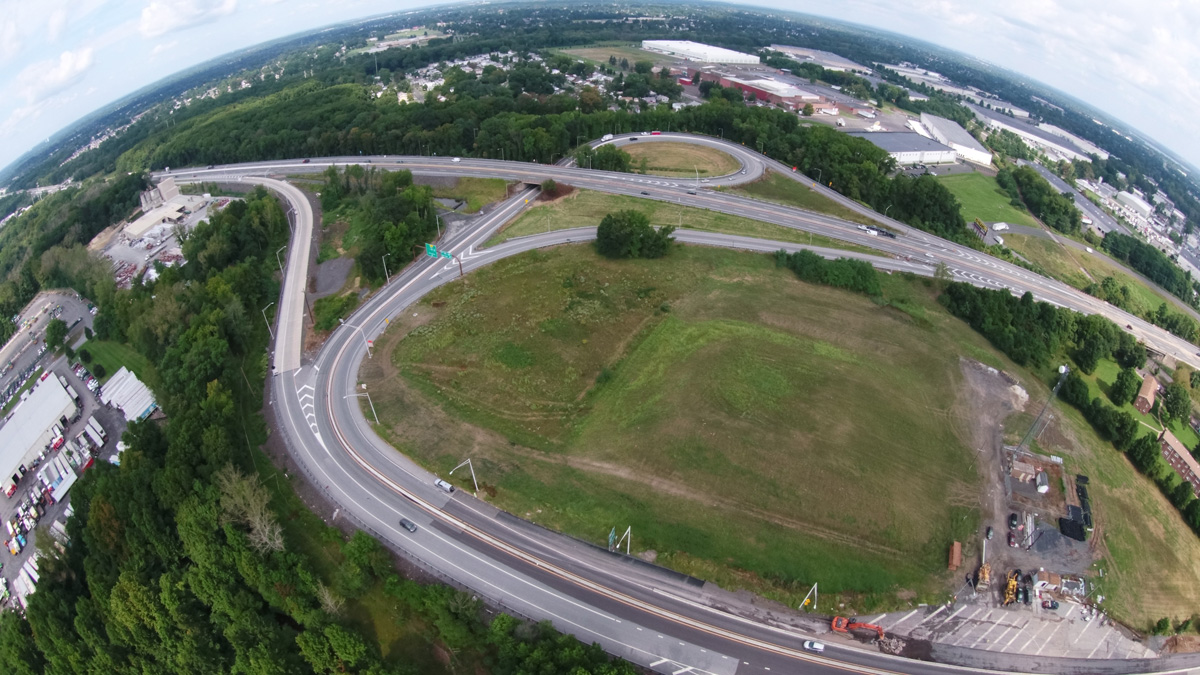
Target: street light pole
<point>264,313</point>
<point>470,466</point>
<point>818,175</point>
<point>886,210</point>
<point>360,332</point>
<point>277,258</point>
<point>368,402</point>
<point>387,277</point>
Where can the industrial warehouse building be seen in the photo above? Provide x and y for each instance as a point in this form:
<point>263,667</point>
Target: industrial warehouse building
<point>949,133</point>
<point>770,89</point>
<point>30,430</point>
<point>907,147</point>
<point>827,60</point>
<point>694,51</point>
<point>1056,147</point>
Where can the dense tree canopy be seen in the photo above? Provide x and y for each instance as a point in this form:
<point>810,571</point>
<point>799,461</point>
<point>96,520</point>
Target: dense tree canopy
<point>628,234</point>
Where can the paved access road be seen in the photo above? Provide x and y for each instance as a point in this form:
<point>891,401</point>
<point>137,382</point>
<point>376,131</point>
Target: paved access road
<point>643,614</point>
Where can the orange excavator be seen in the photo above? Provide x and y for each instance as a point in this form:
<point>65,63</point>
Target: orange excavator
<point>843,625</point>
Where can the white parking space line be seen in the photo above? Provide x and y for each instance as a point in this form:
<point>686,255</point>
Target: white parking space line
<point>876,619</point>
<point>1000,638</point>
<point>935,613</point>
<point>950,617</point>
<point>1050,637</point>
<point>902,620</point>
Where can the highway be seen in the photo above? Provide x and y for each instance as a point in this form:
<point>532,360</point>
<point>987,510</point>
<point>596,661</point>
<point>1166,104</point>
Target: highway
<point>669,623</point>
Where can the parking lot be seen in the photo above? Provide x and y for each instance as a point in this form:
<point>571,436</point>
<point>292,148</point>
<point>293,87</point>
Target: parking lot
<point>1073,630</point>
<point>113,422</point>
<point>23,350</point>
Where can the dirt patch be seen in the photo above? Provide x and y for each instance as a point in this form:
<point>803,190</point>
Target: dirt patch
<point>559,192</point>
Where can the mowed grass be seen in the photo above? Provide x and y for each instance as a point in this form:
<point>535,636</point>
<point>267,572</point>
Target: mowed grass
<point>622,50</point>
<point>680,159</point>
<point>476,192</point>
<point>113,355</point>
<point>1080,268</point>
<point>783,190</point>
<point>585,208</point>
<point>1100,383</point>
<point>982,198</point>
<point>757,430</point>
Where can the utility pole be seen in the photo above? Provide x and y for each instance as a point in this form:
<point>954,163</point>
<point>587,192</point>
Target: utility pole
<point>264,313</point>
<point>387,277</point>
<point>277,259</point>
<point>812,593</point>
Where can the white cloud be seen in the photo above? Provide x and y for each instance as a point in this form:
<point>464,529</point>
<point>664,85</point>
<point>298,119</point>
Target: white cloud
<point>163,46</point>
<point>56,23</point>
<point>162,16</point>
<point>10,43</point>
<point>44,78</point>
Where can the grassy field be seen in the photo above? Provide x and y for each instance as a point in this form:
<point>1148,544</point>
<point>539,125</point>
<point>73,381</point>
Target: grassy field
<point>758,431</point>
<point>680,159</point>
<point>33,379</point>
<point>1079,269</point>
<point>113,355</point>
<point>783,190</point>
<point>1102,380</point>
<point>476,192</point>
<point>621,50</point>
<point>585,208</point>
<point>982,198</point>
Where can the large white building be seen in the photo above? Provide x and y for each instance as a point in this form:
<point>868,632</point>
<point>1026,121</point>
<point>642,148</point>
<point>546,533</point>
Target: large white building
<point>909,148</point>
<point>1055,147</point>
<point>827,60</point>
<point>1137,204</point>
<point>30,430</point>
<point>948,132</point>
<point>694,51</point>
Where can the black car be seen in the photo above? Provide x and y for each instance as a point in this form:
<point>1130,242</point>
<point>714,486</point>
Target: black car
<point>1012,521</point>
<point>691,192</point>
<point>990,532</point>
<point>408,525</point>
<point>644,192</point>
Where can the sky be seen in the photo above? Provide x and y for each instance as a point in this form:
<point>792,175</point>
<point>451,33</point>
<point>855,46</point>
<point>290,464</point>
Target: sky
<point>1139,62</point>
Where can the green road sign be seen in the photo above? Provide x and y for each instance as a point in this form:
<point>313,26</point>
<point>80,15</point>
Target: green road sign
<point>431,250</point>
<point>446,254</point>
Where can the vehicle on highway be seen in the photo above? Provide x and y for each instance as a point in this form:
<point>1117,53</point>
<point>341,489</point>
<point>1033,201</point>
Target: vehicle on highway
<point>691,192</point>
<point>606,137</point>
<point>813,646</point>
<point>644,192</point>
<point>990,532</point>
<point>456,159</point>
<point>444,486</point>
<point>408,525</point>
<point>305,161</point>
<point>1012,521</point>
<point>209,166</point>
<point>645,133</point>
<point>656,133</point>
<point>631,139</point>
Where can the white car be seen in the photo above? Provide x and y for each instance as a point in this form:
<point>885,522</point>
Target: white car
<point>815,647</point>
<point>456,159</point>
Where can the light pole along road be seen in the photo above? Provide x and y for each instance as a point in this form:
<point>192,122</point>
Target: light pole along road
<point>648,616</point>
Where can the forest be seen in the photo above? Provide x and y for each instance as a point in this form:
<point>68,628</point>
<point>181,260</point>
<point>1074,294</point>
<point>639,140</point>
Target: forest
<point>1025,185</point>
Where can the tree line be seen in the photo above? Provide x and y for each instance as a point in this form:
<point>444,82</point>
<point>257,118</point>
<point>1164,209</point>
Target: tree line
<point>1026,186</point>
<point>1152,263</point>
<point>852,275</point>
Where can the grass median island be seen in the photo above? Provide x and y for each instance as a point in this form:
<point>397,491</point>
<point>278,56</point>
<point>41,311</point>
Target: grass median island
<point>680,159</point>
<point>783,190</point>
<point>982,198</point>
<point>476,192</point>
<point>763,432</point>
<point>585,208</point>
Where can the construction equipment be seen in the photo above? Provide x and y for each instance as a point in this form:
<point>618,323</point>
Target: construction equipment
<point>843,625</point>
<point>1010,588</point>
<point>984,582</point>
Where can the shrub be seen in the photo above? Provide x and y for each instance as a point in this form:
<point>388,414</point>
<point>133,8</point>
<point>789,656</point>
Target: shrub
<point>99,370</point>
<point>327,311</point>
<point>85,356</point>
<point>627,234</point>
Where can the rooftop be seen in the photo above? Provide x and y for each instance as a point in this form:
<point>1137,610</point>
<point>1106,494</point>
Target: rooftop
<point>821,58</point>
<point>1181,450</point>
<point>1026,128</point>
<point>1148,388</point>
<point>698,52</point>
<point>953,132</point>
<point>901,141</point>
<point>31,419</point>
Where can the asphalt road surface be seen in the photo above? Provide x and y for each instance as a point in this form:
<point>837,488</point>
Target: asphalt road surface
<point>1104,222</point>
<point>644,614</point>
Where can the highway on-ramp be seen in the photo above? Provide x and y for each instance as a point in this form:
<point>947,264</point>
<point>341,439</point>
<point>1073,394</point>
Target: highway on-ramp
<point>658,619</point>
